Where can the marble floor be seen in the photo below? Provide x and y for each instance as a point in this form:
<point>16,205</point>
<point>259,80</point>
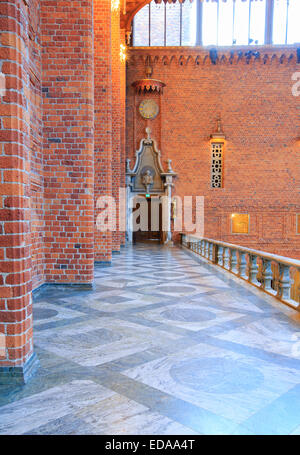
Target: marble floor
<point>165,343</point>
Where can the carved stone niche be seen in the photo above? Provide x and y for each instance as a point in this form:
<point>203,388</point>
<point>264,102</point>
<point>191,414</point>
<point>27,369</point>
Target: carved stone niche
<point>148,175</point>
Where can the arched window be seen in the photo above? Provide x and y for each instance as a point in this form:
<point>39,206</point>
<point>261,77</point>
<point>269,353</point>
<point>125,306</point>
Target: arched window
<point>217,23</point>
<point>171,24</point>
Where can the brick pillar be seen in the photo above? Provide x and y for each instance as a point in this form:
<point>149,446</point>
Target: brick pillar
<point>68,115</point>
<point>123,124</point>
<point>17,360</point>
<point>103,120</point>
<point>116,119</point>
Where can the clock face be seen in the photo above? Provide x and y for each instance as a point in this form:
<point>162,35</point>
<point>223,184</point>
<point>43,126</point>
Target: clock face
<point>149,109</point>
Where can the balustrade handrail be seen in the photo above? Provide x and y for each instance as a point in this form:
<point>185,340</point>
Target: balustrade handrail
<point>276,275</point>
<point>271,257</point>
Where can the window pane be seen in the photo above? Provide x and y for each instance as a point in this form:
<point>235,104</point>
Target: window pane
<point>293,22</point>
<point>141,27</point>
<point>225,23</point>
<point>241,22</point>
<point>173,24</point>
<point>279,22</point>
<point>258,20</point>
<point>189,12</point>
<point>210,23</point>
<point>157,24</point>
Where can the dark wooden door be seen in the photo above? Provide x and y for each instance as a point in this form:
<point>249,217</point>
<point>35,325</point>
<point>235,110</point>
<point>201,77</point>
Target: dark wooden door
<point>154,231</point>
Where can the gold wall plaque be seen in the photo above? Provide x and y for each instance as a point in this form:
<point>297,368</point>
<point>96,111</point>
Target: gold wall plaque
<point>240,223</point>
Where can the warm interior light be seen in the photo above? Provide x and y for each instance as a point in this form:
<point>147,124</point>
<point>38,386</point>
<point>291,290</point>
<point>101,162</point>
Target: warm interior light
<point>240,223</point>
<point>115,5</point>
<point>122,53</point>
<point>216,140</point>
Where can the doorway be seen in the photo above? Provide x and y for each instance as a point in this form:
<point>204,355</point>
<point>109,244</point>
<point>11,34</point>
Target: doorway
<point>149,220</point>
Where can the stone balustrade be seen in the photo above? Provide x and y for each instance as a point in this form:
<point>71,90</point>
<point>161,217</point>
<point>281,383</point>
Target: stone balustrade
<point>273,274</point>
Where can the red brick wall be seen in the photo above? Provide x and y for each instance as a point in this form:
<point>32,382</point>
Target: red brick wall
<point>103,119</point>
<point>261,120</point>
<point>68,116</point>
<point>20,122</point>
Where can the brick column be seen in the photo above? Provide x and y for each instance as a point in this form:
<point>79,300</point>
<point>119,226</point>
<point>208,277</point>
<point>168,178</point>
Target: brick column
<point>123,124</point>
<point>17,360</point>
<point>116,119</point>
<point>68,115</point>
<point>103,120</point>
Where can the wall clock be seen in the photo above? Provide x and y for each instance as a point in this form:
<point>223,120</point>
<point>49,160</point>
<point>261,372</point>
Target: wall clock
<point>149,109</point>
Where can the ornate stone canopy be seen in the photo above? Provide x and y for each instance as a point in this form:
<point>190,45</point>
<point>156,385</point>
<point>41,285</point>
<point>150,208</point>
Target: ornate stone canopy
<point>148,175</point>
<point>148,178</point>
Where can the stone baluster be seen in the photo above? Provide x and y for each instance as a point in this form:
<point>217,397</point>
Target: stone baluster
<point>205,249</point>
<point>210,251</point>
<point>253,269</point>
<point>242,266</point>
<point>267,275</point>
<point>202,248</point>
<point>220,255</point>
<point>284,288</point>
<point>227,258</point>
<point>233,262</point>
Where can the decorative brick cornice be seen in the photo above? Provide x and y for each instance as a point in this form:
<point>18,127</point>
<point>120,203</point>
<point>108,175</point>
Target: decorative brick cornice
<point>196,56</point>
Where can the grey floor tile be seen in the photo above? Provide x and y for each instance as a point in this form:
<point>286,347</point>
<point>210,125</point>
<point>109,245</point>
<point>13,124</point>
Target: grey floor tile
<point>164,343</point>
